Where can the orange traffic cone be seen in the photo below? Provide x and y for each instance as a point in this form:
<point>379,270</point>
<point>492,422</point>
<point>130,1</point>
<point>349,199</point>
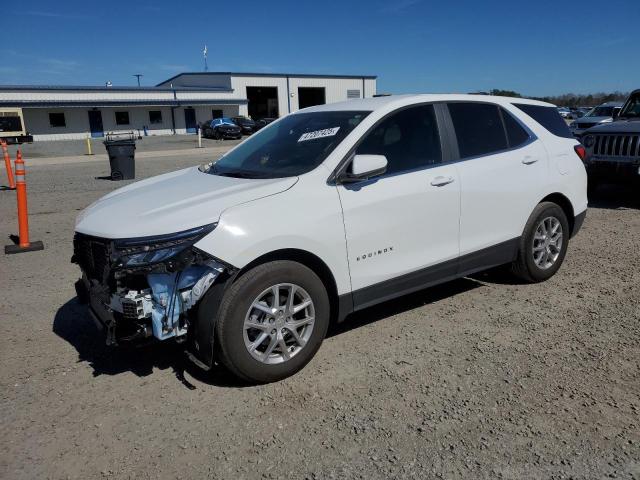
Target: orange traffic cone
<point>7,164</point>
<point>24,245</point>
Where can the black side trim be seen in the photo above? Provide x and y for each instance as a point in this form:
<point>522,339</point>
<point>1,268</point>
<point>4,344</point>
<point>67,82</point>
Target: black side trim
<point>411,282</point>
<point>500,254</point>
<point>577,223</point>
<point>345,306</point>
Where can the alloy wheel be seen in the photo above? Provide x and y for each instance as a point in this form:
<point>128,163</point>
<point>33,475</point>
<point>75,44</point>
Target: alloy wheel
<point>279,323</point>
<point>547,242</point>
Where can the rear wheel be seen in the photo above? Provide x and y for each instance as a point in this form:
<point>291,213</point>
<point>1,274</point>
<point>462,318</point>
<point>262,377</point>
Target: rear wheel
<point>543,244</point>
<point>272,321</point>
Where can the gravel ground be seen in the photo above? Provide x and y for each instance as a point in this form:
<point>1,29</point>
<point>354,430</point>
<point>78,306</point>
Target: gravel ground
<point>62,148</point>
<point>478,378</point>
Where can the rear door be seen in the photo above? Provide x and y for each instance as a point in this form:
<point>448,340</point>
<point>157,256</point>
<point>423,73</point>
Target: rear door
<point>406,220</point>
<point>502,171</point>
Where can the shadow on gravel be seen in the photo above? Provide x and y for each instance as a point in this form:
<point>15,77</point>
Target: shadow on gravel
<point>74,324</point>
<point>615,196</point>
<point>403,304</point>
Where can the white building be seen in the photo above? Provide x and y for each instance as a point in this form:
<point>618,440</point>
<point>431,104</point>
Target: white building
<point>177,105</point>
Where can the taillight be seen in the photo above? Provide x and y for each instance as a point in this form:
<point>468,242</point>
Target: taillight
<point>581,151</point>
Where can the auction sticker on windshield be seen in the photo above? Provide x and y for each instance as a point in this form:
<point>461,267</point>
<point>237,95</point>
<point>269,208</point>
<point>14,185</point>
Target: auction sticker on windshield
<point>327,132</point>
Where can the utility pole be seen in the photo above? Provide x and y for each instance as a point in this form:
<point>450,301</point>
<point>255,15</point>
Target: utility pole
<point>204,52</point>
<point>138,75</point>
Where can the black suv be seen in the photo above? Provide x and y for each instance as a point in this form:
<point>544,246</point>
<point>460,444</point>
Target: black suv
<point>613,149</point>
<point>247,126</point>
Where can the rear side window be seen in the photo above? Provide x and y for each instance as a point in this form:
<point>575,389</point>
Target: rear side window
<point>478,128</point>
<point>516,135</point>
<point>548,117</point>
<point>409,139</point>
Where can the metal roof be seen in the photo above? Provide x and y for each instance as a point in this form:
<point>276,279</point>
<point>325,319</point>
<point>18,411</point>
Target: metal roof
<point>266,74</point>
<point>98,88</point>
<point>118,103</point>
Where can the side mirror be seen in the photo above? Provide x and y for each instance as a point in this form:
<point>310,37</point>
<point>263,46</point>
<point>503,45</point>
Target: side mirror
<point>364,167</point>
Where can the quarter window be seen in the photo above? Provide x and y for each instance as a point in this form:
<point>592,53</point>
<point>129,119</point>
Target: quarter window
<point>548,117</point>
<point>155,116</point>
<point>122,118</point>
<point>478,128</point>
<point>409,139</point>
<point>57,120</point>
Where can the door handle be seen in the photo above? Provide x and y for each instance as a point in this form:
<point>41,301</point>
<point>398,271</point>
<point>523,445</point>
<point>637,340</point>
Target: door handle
<point>528,160</point>
<point>441,181</point>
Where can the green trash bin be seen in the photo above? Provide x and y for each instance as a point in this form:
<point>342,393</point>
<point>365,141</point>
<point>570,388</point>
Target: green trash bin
<point>121,149</point>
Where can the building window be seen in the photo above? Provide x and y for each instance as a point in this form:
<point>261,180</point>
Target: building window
<point>155,116</point>
<point>122,118</point>
<point>353,93</point>
<point>216,113</point>
<point>57,120</point>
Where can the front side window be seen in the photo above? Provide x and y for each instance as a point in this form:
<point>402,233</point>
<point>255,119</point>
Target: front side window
<point>292,146</point>
<point>122,118</point>
<point>409,139</point>
<point>478,128</point>
<point>57,120</point>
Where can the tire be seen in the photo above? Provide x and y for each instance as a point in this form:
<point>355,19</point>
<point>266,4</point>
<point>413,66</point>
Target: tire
<point>234,340</point>
<point>217,135</point>
<point>526,266</point>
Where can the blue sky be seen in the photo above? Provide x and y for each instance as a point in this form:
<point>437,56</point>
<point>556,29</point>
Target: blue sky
<point>537,47</point>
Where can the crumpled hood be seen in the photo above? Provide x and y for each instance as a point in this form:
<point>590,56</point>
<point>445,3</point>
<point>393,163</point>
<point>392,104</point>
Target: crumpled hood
<point>619,126</point>
<point>172,202</point>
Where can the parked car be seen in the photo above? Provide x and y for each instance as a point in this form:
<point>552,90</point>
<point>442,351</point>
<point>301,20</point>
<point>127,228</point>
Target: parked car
<point>221,128</point>
<point>565,112</point>
<point>330,210</point>
<point>613,148</point>
<point>247,126</point>
<point>263,122</point>
<point>601,114</point>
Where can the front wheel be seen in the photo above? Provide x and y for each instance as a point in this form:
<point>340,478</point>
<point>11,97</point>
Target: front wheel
<point>272,321</point>
<point>543,244</point>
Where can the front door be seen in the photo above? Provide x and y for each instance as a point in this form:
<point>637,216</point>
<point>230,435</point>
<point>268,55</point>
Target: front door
<point>190,120</point>
<point>95,123</point>
<point>402,227</point>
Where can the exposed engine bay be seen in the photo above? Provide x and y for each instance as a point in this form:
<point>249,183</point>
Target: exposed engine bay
<point>145,288</point>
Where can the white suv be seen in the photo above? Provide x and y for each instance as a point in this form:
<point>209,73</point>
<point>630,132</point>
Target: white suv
<point>327,211</point>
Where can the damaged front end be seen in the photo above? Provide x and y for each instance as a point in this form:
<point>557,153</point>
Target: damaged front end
<point>144,288</point>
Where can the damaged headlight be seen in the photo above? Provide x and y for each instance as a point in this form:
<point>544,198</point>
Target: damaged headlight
<point>135,252</point>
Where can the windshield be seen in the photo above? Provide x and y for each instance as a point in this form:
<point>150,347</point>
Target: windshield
<point>294,145</point>
<point>632,108</point>
<point>600,112</point>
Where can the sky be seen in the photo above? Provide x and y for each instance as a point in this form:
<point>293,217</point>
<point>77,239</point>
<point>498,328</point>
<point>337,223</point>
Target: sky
<point>537,47</point>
